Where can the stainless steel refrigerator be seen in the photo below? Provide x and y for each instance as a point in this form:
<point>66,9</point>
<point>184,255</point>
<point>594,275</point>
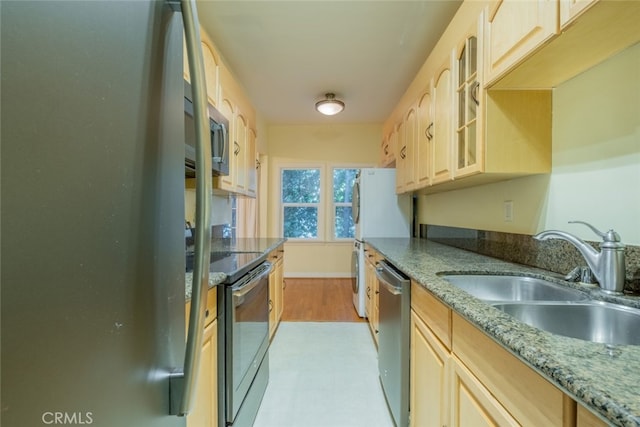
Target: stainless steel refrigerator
<point>92,261</point>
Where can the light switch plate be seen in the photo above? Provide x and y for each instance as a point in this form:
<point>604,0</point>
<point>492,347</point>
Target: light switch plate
<point>508,210</point>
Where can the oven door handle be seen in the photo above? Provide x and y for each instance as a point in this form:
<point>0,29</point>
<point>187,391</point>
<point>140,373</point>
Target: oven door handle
<point>183,381</point>
<point>242,289</point>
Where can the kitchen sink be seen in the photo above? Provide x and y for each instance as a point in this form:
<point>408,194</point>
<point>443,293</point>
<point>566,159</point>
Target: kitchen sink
<point>513,288</point>
<point>590,321</point>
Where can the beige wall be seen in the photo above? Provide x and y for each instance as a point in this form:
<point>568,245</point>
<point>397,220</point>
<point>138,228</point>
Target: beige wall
<point>595,168</point>
<point>347,145</point>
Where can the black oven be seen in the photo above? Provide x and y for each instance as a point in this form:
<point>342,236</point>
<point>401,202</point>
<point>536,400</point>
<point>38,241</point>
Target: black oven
<point>219,137</point>
<point>244,336</point>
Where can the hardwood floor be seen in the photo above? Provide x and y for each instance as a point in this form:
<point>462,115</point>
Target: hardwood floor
<point>319,300</point>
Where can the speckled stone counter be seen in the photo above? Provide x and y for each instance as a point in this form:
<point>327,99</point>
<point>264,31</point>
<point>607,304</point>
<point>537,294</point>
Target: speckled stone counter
<point>602,377</point>
<point>262,245</point>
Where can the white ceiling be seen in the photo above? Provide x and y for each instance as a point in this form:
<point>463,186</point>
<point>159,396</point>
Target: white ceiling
<point>288,54</point>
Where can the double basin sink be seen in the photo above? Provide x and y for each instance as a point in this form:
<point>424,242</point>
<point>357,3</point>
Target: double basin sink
<point>554,308</point>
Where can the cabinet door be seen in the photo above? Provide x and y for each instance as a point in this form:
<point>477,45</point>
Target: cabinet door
<point>251,164</point>
<point>571,9</point>
<point>442,129</point>
<point>280,290</point>
<point>410,127</point>
<point>205,409</point>
<point>227,182</point>
<point>469,108</point>
<point>513,29</point>
<point>401,158</point>
<point>584,418</point>
<point>429,395</point>
<point>424,135</point>
<point>211,73</point>
<point>273,310</point>
<point>471,403</point>
<point>386,153</point>
<point>393,146</point>
<point>370,302</point>
<point>240,152</point>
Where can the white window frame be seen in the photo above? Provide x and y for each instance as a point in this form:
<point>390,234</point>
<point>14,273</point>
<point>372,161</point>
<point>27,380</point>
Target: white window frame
<point>319,205</point>
<point>326,206</point>
<point>335,204</point>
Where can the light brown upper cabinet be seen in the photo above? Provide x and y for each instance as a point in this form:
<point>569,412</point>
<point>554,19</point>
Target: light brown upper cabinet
<point>242,138</point>
<point>424,136</point>
<point>252,164</point>
<point>469,117</point>
<point>225,93</point>
<point>571,9</point>
<point>211,64</point>
<point>513,30</point>
<point>401,158</point>
<point>490,80</point>
<point>442,125</point>
<point>410,128</point>
<point>590,32</point>
<point>387,151</point>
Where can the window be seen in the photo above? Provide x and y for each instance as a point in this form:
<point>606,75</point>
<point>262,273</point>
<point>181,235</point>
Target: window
<point>343,226</point>
<point>300,199</point>
<point>315,202</point>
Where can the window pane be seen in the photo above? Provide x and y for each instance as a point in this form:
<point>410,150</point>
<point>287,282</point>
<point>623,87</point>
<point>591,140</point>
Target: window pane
<point>343,184</point>
<point>344,226</point>
<point>300,222</point>
<point>301,185</point>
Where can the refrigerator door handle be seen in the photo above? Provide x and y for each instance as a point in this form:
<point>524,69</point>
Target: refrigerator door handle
<point>182,384</point>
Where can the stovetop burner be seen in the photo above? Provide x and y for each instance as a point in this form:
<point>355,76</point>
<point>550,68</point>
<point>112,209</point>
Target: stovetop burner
<point>233,264</point>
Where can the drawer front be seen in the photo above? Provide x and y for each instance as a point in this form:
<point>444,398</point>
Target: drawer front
<point>433,313</point>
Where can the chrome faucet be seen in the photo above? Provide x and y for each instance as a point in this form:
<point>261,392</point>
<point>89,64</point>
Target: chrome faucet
<point>607,265</point>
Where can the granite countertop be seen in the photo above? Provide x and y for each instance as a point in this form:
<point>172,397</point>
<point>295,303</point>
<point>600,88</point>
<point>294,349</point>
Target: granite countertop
<point>263,245</point>
<point>604,378</point>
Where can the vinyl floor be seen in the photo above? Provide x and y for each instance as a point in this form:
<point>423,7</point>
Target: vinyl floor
<point>323,374</point>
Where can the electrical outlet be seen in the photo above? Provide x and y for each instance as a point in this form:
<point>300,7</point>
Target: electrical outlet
<point>508,211</point>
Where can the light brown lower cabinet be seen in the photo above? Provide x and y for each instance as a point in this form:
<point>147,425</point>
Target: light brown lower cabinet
<point>276,289</point>
<point>586,418</point>
<point>372,308</point>
<point>205,408</point>
<point>429,368</point>
<point>461,377</point>
<point>471,403</point>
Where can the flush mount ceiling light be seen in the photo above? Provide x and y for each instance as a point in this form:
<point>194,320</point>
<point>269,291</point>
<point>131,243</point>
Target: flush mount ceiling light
<point>330,106</point>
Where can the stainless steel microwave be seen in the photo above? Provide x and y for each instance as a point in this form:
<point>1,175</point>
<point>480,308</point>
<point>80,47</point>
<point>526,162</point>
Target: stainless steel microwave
<point>219,127</point>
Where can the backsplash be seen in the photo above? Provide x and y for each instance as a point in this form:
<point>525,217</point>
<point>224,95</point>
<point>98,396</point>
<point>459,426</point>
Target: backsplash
<point>553,255</point>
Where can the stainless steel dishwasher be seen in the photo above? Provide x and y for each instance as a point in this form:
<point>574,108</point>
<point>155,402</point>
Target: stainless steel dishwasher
<point>393,340</point>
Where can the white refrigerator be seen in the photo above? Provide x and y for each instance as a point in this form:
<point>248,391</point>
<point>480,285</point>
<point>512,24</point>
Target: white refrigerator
<point>377,212</point>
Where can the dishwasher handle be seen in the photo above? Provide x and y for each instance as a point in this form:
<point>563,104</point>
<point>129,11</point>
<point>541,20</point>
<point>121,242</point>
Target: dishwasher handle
<point>390,279</point>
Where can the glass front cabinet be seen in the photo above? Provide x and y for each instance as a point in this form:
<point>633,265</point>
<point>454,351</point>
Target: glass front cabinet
<point>468,147</point>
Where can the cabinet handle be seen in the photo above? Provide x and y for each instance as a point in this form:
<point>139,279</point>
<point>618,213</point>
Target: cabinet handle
<point>237,150</point>
<point>474,92</point>
<point>270,306</point>
<point>427,131</point>
<point>284,284</point>
<point>386,150</point>
<point>403,154</point>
